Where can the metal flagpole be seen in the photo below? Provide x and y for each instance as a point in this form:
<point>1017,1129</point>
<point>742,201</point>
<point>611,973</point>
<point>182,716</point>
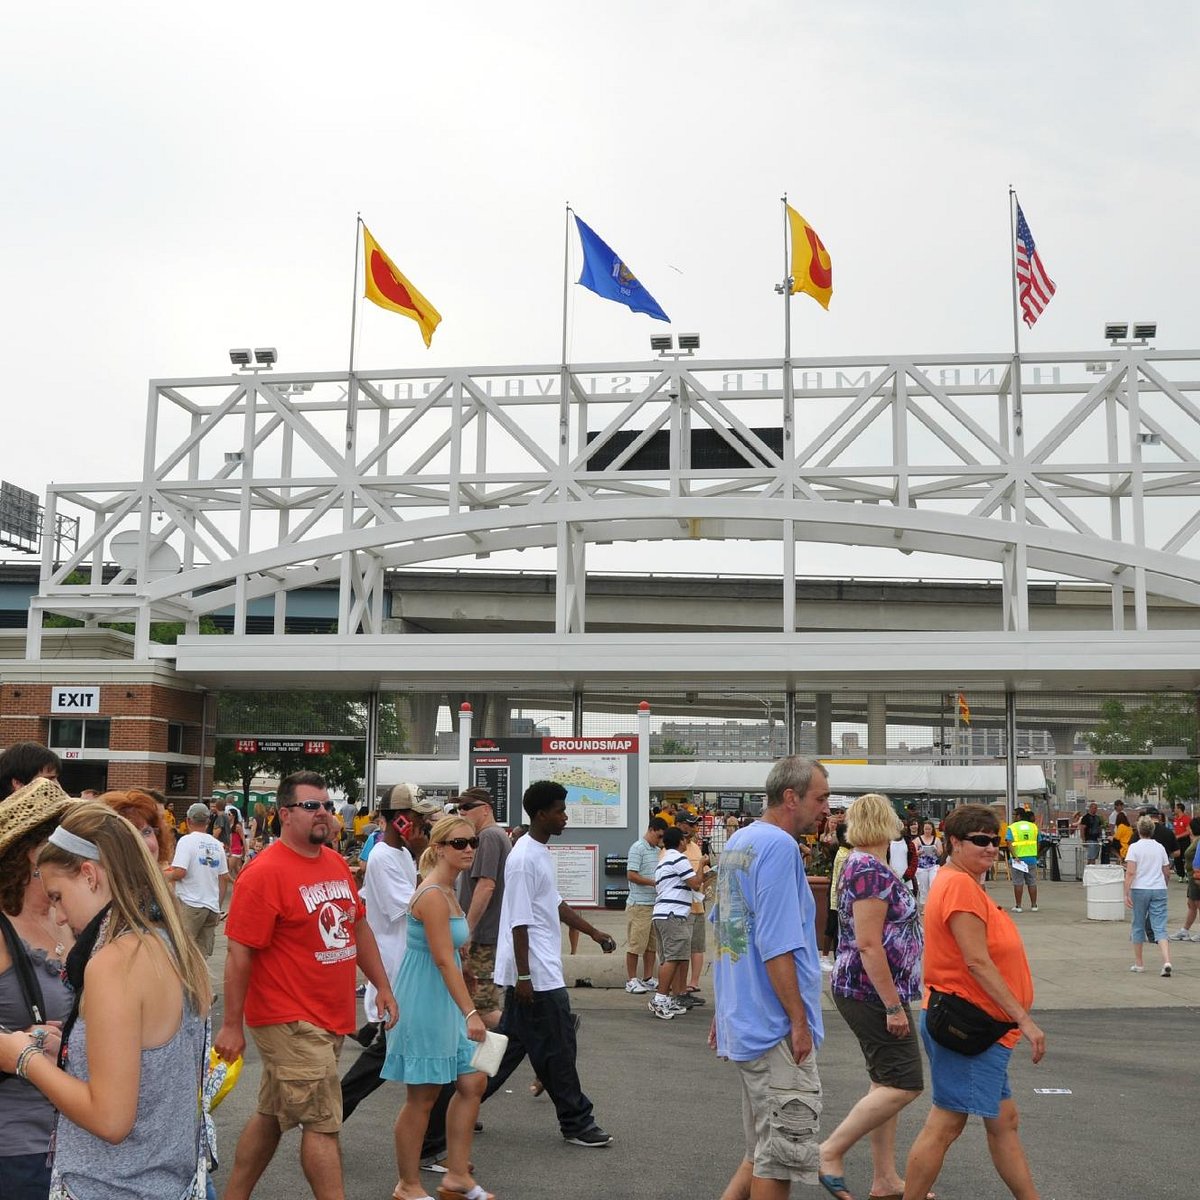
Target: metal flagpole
<point>351,390</point>
<point>788,531</point>
<point>1020,598</point>
<point>564,408</point>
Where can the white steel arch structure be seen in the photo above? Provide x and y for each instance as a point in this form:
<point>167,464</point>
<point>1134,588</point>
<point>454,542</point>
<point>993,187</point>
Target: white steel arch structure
<point>254,485</point>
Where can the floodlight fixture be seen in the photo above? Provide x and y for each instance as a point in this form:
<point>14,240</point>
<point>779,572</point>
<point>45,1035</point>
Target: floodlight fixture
<point>1150,439</point>
<point>266,356</point>
<point>689,341</point>
<point>661,341</point>
<point>240,358</point>
<point>234,456</point>
<point>1117,332</point>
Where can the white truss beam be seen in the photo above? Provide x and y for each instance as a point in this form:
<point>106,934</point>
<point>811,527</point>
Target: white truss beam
<point>257,485</point>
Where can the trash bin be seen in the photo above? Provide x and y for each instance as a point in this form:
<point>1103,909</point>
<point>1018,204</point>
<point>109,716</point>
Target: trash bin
<point>1105,889</point>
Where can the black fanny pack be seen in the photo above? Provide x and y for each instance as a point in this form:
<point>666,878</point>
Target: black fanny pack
<point>962,1026</point>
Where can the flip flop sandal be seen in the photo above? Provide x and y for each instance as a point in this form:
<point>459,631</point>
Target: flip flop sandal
<point>476,1193</point>
<point>835,1185</point>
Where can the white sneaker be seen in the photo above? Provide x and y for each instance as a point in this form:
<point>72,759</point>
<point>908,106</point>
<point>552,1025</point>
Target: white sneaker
<point>1015,908</point>
<point>1136,969</point>
<point>664,1012</point>
<point>827,966</point>
<point>650,983</point>
<point>1034,908</point>
<point>676,1008</point>
<point>1191,937</point>
<point>635,987</point>
<point>1180,935</point>
<point>1166,971</point>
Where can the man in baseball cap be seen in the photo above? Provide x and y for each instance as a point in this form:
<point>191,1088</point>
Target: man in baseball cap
<point>409,797</point>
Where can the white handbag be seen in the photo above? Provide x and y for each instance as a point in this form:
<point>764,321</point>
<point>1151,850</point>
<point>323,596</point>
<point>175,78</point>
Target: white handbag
<point>489,1053</point>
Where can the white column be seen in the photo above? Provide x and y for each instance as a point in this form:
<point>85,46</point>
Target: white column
<point>465,718</point>
<point>643,761</point>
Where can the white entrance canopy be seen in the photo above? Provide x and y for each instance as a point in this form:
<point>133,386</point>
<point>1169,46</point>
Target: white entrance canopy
<point>903,779</point>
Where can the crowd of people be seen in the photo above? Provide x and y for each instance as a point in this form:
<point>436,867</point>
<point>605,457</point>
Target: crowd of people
<point>110,915</point>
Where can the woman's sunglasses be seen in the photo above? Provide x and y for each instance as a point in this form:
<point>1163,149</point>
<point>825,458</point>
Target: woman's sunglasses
<point>983,840</point>
<point>462,843</point>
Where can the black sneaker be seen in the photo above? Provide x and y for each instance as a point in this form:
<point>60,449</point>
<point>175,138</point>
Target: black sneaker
<point>591,1137</point>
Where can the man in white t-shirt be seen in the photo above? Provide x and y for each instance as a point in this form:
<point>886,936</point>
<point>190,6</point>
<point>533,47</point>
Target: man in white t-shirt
<point>200,873</point>
<point>537,1016</point>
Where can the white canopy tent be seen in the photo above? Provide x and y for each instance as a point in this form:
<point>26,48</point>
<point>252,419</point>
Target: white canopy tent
<point>900,779</point>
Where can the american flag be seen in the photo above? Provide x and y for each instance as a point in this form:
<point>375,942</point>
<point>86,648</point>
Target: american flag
<point>1034,286</point>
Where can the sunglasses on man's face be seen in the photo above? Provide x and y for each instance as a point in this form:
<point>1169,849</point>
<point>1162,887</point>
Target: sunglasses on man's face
<point>462,843</point>
<point>462,808</point>
<point>312,805</point>
<point>983,840</point>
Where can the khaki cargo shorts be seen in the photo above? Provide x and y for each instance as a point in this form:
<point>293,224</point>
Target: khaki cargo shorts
<point>300,1083</point>
<point>781,1115</point>
<point>638,934</point>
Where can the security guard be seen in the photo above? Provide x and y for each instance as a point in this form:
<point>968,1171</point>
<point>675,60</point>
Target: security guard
<point>1022,838</point>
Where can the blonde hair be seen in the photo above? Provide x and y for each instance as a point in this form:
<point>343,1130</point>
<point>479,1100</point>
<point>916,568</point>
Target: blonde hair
<point>140,898</point>
<point>438,835</point>
<point>871,819</point>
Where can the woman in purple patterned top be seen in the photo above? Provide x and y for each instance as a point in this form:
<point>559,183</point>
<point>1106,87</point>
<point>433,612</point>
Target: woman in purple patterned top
<point>878,972</point>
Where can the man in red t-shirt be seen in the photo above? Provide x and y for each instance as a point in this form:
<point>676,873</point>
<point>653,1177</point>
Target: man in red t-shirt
<point>297,935</point>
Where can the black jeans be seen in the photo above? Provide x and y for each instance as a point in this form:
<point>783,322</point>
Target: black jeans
<point>363,1078</point>
<point>545,1032</point>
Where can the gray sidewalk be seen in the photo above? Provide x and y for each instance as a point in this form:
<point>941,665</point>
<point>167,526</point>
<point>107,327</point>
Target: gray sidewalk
<point>674,1109</point>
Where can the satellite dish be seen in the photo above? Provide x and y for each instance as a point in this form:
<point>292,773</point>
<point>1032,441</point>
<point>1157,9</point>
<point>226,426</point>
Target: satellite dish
<point>124,549</point>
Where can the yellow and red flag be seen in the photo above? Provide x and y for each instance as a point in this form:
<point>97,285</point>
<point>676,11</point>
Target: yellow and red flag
<point>812,270</point>
<point>388,288</point>
<point>964,711</point>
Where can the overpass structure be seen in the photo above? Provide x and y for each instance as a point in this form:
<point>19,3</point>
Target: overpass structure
<point>258,487</point>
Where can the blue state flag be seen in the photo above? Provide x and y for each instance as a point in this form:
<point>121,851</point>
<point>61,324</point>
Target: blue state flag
<point>605,274</point>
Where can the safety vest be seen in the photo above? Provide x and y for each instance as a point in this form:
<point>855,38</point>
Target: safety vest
<point>1024,839</point>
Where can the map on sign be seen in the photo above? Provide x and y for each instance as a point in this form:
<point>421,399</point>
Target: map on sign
<point>595,783</point>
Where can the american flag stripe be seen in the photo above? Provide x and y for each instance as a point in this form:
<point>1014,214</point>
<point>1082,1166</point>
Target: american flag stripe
<point>1034,286</point>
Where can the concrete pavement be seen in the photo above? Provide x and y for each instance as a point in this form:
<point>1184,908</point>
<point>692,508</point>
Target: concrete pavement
<point>1119,1125</point>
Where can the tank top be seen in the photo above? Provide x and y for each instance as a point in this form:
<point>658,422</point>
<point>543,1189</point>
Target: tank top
<point>158,1158</point>
<point>26,1116</point>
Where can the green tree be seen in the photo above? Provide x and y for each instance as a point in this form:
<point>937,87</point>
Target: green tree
<point>671,748</point>
<point>1163,720</point>
<point>289,715</point>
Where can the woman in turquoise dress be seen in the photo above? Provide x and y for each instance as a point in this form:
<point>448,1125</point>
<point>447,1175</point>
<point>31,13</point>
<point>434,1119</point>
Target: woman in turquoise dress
<point>433,1041</point>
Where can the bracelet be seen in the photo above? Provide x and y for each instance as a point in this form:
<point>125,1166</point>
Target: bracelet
<point>469,1015</point>
<point>892,1009</point>
<point>25,1058</point>
<point>524,978</point>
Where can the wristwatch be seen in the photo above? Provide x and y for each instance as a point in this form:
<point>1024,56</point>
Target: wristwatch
<point>892,1009</point>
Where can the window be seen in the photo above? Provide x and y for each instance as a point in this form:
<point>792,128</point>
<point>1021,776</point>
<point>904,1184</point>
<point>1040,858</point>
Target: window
<point>175,737</point>
<point>73,733</point>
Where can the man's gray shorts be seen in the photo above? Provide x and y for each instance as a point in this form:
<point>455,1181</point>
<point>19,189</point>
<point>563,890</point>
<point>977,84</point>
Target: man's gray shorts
<point>674,936</point>
<point>781,1115</point>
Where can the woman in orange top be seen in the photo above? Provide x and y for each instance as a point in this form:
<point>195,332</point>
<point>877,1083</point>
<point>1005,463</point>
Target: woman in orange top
<point>973,950</point>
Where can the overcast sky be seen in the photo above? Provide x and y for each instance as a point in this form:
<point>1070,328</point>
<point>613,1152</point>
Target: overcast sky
<point>182,179</point>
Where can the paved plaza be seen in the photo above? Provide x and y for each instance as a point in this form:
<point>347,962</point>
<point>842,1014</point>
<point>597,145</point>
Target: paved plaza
<point>1121,1045</point>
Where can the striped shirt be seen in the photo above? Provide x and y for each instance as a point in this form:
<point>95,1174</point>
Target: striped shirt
<point>673,895</point>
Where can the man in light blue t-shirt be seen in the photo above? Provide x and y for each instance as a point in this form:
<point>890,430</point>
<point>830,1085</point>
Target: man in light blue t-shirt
<point>767,978</point>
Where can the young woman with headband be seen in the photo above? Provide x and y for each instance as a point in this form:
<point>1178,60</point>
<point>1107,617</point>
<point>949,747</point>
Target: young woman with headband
<point>131,1063</point>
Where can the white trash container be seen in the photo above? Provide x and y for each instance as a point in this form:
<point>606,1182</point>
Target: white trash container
<point>1105,889</point>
